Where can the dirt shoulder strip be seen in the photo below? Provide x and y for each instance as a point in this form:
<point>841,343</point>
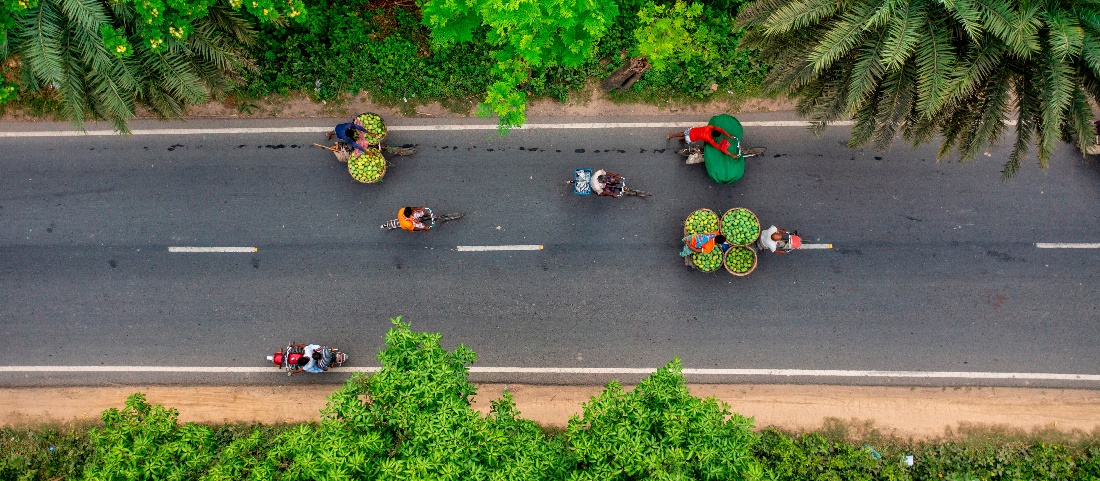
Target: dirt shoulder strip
<point>919,413</point>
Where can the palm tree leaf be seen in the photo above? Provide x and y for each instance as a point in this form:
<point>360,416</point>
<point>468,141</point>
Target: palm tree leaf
<point>904,35</point>
<point>1064,35</point>
<point>841,38</point>
<point>884,13</point>
<point>1027,108</point>
<point>895,103</point>
<point>935,61</point>
<point>865,74</point>
<point>1057,92</point>
<point>967,13</point>
<point>1018,30</point>
<point>990,110</point>
<point>800,14</point>
<point>971,71</point>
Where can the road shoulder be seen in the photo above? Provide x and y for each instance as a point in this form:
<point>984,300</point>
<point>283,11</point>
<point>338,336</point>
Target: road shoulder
<point>906,412</point>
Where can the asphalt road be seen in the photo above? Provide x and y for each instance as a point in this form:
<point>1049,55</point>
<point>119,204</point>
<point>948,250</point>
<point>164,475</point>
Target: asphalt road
<point>934,267</point>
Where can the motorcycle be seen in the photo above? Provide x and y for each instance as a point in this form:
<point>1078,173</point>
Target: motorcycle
<point>602,183</point>
<point>428,218</point>
<point>287,359</point>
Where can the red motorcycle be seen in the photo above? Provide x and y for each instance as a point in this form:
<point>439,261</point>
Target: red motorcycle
<point>288,359</point>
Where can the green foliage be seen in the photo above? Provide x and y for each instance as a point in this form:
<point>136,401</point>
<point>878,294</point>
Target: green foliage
<point>143,441</point>
<point>956,68</point>
<point>660,431</point>
<point>8,91</point>
<point>523,34</point>
<point>668,32</point>
<point>43,453</point>
<point>89,54</point>
<point>812,456</point>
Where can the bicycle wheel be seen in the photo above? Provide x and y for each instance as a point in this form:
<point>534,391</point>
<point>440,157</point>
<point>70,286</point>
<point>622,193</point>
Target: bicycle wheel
<point>636,193</point>
<point>447,217</point>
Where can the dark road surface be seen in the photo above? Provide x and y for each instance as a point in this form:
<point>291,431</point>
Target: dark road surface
<point>934,267</point>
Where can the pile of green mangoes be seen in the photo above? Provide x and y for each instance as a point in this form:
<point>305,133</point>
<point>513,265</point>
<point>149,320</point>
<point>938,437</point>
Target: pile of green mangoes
<point>376,128</point>
<point>367,166</point>
<point>740,226</point>
<point>708,262</point>
<point>740,259</point>
<point>701,221</point>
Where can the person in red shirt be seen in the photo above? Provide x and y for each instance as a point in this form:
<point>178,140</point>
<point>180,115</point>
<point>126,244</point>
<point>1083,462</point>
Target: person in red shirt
<point>706,134</point>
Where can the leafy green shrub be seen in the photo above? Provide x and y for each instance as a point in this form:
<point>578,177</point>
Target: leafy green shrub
<point>812,456</point>
<point>660,431</point>
<point>44,453</point>
<point>143,441</point>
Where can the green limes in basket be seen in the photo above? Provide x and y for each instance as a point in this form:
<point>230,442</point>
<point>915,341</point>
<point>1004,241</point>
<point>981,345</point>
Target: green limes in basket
<point>740,226</point>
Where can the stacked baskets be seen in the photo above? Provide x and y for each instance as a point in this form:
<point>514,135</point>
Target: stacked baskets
<point>366,164</point>
<point>741,229</point>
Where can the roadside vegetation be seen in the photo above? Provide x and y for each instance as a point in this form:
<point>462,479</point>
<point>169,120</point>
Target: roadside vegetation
<point>953,72</point>
<point>414,420</point>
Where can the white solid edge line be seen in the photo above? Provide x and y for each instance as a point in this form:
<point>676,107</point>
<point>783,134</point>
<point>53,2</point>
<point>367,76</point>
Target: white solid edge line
<point>212,249</point>
<point>816,246</point>
<point>1038,376</point>
<point>399,128</point>
<point>498,248</point>
<point>1066,245</point>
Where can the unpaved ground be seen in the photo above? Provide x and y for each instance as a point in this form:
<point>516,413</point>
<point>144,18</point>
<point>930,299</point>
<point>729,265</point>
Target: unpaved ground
<point>590,103</point>
<point>919,413</point>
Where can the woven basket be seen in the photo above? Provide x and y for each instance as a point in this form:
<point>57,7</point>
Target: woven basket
<point>755,259</point>
<point>381,174</point>
<point>728,239</point>
<point>363,142</point>
<point>721,261</point>
<point>704,210</point>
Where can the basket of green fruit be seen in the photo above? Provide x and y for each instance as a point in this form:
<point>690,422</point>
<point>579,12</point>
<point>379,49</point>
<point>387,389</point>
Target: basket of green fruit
<point>707,262</point>
<point>367,166</point>
<point>740,260</point>
<point>740,226</point>
<point>374,126</point>
<point>702,221</point>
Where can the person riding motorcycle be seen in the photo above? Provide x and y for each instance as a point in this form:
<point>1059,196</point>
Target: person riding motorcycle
<point>607,184</point>
<point>779,240</point>
<point>415,218</point>
<point>314,358</point>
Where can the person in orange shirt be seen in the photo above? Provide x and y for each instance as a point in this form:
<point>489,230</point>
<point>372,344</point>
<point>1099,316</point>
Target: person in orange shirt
<point>414,218</point>
<point>703,243</point>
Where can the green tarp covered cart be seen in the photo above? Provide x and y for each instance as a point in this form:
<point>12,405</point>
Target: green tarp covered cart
<point>725,169</point>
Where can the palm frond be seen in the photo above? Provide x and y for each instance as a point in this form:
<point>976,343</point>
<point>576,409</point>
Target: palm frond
<point>990,108</point>
<point>866,72</point>
<point>969,16</point>
<point>841,38</point>
<point>800,14</point>
<point>895,104</point>
<point>1018,30</point>
<point>971,71</point>
<point>935,61</point>
<point>1027,112</point>
<point>1064,35</point>
<point>903,35</point>
<point>1057,93</point>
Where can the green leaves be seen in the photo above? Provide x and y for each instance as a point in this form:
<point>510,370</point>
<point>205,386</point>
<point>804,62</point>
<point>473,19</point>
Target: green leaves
<point>143,441</point>
<point>668,32</point>
<point>525,34</point>
<point>958,68</point>
<point>660,431</point>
